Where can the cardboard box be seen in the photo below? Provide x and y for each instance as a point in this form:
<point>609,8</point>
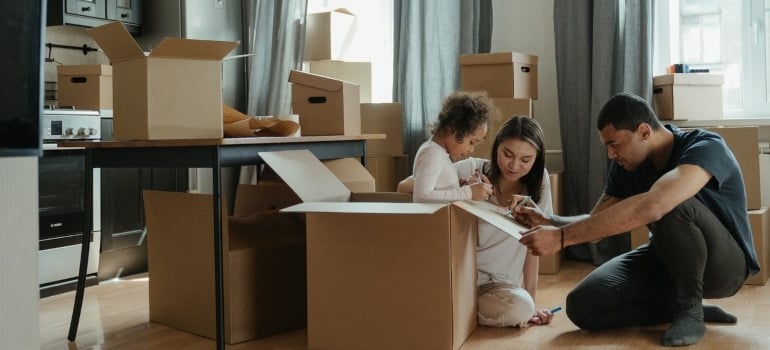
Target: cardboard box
<point>383,118</point>
<point>350,172</point>
<point>175,92</point>
<point>764,181</point>
<point>388,171</point>
<point>85,86</point>
<point>385,275</point>
<point>507,108</point>
<point>760,230</point>
<point>329,35</point>
<point>744,142</point>
<point>695,96</point>
<point>550,264</point>
<point>500,74</point>
<point>325,106</point>
<point>355,72</point>
<point>264,266</point>
<point>640,236</point>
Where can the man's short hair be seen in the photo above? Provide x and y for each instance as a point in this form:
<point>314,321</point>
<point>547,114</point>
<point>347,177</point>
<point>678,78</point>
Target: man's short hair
<point>626,111</point>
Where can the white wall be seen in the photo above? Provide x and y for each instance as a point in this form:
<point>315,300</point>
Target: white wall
<point>526,26</point>
<point>19,308</point>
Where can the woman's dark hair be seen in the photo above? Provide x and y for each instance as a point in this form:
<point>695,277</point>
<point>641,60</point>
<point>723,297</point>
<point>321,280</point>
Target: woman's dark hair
<point>526,129</point>
<point>626,111</point>
<point>464,112</point>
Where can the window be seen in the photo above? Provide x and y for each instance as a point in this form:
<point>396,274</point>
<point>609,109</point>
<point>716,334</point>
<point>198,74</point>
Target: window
<point>727,37</point>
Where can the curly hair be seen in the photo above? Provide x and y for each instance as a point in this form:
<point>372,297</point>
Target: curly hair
<point>463,112</point>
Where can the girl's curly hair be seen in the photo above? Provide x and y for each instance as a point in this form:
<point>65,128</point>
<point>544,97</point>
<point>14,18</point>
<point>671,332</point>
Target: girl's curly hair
<point>463,112</point>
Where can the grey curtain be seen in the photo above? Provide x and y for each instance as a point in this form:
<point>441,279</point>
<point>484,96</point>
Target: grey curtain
<point>429,37</point>
<point>602,47</point>
<point>275,37</point>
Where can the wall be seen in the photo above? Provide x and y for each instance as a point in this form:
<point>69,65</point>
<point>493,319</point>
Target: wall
<point>19,308</point>
<point>527,26</point>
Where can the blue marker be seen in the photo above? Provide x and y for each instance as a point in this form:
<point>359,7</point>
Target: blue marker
<point>556,309</point>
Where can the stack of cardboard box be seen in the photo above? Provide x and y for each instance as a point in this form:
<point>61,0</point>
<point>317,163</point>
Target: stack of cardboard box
<point>385,160</point>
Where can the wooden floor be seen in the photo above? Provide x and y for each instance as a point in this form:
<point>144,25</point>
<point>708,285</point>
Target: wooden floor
<point>115,316</point>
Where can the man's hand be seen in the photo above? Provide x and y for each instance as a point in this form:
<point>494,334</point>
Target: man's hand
<point>542,240</point>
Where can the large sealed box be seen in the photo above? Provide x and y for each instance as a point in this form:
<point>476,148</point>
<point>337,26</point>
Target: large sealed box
<point>744,143</point>
<point>384,275</point>
<point>85,86</point>
<point>383,118</point>
<point>500,74</point>
<point>326,106</point>
<point>355,72</point>
<point>329,35</point>
<point>174,92</point>
<point>691,96</point>
<point>263,264</point>
<point>760,230</point>
<point>506,108</point>
<point>388,171</point>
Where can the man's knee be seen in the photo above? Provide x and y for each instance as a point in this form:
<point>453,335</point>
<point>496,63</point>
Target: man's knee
<point>579,309</point>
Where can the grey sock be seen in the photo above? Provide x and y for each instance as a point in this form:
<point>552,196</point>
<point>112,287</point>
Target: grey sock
<point>687,329</point>
<point>714,313</point>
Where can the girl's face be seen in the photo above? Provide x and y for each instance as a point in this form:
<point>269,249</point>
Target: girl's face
<point>459,150</point>
<point>515,158</point>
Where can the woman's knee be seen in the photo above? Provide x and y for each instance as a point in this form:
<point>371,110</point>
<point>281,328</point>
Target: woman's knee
<point>505,308</point>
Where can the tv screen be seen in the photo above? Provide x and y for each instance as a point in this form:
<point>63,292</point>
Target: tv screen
<point>21,76</point>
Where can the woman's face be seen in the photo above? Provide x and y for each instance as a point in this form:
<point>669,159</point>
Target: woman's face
<point>515,158</point>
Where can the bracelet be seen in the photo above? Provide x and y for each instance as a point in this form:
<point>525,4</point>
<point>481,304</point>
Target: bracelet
<point>562,237</point>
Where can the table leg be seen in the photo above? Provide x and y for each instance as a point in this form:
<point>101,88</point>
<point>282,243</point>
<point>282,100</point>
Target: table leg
<point>218,259</point>
<point>87,226</point>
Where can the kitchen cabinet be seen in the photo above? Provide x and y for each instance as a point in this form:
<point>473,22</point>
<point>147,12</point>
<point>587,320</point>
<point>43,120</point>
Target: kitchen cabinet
<point>94,13</point>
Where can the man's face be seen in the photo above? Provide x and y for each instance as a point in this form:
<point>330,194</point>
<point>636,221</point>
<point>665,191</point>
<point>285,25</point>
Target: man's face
<point>627,148</point>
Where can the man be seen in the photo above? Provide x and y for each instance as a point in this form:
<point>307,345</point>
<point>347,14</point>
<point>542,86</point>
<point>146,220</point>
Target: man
<point>688,189</point>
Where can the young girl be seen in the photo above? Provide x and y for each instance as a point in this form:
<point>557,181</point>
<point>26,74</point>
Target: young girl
<point>507,272</point>
<point>462,123</point>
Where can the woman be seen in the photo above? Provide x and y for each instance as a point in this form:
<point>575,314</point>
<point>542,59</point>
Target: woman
<point>507,272</point>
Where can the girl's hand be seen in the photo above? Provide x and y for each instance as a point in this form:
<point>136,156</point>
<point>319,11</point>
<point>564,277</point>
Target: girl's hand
<point>541,317</point>
<point>481,191</point>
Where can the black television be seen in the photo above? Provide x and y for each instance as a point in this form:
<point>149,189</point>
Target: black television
<point>22,25</point>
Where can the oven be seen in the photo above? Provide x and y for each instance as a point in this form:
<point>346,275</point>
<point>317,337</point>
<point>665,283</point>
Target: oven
<point>61,176</point>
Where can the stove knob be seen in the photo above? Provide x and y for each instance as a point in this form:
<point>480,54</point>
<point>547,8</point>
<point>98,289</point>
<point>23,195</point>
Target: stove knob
<point>82,132</point>
<point>68,132</point>
<point>92,131</point>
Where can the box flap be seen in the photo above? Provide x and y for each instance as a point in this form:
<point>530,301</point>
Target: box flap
<point>497,58</point>
<point>307,176</point>
<point>316,81</point>
<point>491,213</point>
<point>688,79</point>
<point>352,174</point>
<point>194,49</point>
<point>116,42</point>
<point>365,208</point>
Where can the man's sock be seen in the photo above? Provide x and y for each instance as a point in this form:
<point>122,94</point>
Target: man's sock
<point>687,328</point>
<point>714,313</point>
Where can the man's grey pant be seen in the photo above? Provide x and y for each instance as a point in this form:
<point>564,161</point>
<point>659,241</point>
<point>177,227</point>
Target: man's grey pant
<point>691,256</point>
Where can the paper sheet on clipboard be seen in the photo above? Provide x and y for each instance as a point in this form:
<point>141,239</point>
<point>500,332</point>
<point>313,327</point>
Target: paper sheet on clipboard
<point>491,213</point>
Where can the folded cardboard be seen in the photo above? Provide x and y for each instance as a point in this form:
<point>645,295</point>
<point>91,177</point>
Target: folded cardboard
<point>326,106</point>
<point>384,275</point>
<point>694,96</point>
<point>86,87</point>
<point>263,264</point>
<point>329,35</point>
<point>387,171</point>
<point>174,92</point>
<point>500,74</point>
<point>550,264</point>
<point>760,230</point>
<point>506,108</point>
<point>355,72</point>
<point>383,118</point>
<point>350,172</point>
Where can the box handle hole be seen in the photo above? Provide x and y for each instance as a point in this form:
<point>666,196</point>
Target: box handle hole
<point>317,99</point>
<point>657,90</point>
<point>78,80</point>
<point>525,69</point>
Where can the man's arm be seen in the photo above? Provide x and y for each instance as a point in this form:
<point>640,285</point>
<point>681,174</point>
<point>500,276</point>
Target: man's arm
<point>613,217</point>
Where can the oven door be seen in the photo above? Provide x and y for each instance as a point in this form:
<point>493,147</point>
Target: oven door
<point>61,190</point>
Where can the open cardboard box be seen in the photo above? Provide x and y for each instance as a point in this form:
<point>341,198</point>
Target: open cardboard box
<point>384,275</point>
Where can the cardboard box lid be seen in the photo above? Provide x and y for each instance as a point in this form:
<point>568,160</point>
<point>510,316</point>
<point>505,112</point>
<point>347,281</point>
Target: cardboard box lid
<point>84,69</point>
<point>497,58</point>
<point>317,81</point>
<point>688,79</point>
<point>118,44</point>
<point>193,49</point>
<point>365,208</point>
<point>491,214</point>
<point>310,179</point>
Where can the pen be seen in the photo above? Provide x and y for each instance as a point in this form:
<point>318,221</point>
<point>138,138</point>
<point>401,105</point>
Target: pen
<point>478,176</point>
<point>556,309</point>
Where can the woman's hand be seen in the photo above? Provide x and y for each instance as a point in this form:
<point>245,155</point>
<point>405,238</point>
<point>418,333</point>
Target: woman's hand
<point>541,317</point>
<point>528,213</point>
